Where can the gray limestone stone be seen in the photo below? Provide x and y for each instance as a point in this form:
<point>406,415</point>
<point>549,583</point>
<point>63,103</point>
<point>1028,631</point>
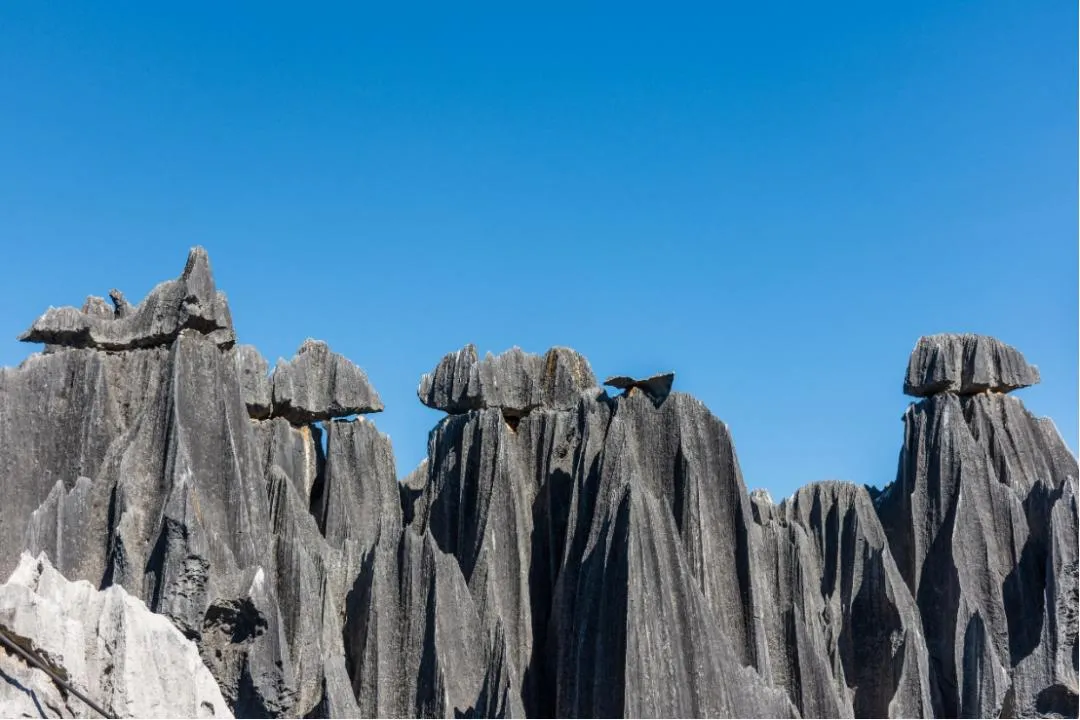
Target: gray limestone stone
<point>106,644</point>
<point>515,381</point>
<point>190,301</point>
<point>559,553</point>
<point>657,387</point>
<point>319,385</point>
<point>254,374</point>
<point>847,628</point>
<point>966,364</point>
<point>969,521</point>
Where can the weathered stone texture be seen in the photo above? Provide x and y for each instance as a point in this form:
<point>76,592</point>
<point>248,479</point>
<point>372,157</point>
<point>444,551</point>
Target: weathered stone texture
<point>107,644</point>
<point>319,385</point>
<point>560,552</point>
<point>966,364</point>
<point>515,381</point>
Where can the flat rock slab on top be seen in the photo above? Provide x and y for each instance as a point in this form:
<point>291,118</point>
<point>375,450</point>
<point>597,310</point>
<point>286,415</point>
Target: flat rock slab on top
<point>966,364</point>
<point>190,301</point>
<point>515,381</point>
<point>657,387</point>
<point>319,385</point>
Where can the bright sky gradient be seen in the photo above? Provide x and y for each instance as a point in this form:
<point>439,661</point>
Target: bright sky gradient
<point>775,200</point>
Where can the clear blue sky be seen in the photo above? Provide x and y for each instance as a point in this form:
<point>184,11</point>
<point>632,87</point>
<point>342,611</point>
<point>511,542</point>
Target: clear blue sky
<point>773,199</point>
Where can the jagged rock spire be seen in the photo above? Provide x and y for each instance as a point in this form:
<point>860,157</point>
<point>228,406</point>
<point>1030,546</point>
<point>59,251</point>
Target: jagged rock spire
<point>561,552</point>
<point>190,301</point>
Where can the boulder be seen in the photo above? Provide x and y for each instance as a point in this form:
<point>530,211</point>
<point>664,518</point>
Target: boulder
<point>966,364</point>
<point>516,382</point>
<point>657,387</point>
<point>318,384</point>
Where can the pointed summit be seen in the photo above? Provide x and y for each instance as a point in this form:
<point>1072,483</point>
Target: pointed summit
<point>190,301</point>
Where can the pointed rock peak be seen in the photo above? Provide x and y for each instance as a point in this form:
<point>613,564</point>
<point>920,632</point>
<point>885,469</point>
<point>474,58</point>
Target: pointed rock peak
<point>311,345</point>
<point>515,381</point>
<point>656,387</point>
<point>199,284</point>
<point>190,301</point>
<point>121,307</point>
<point>197,268</point>
<point>762,506</point>
<point>97,307</point>
<point>966,364</point>
<point>761,495</point>
<point>318,384</point>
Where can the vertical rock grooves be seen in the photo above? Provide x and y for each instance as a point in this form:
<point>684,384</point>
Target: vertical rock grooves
<point>561,551</point>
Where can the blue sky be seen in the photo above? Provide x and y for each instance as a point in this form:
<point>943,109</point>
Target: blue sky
<point>775,200</point>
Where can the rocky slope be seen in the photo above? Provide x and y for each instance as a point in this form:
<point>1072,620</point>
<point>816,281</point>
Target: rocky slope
<point>562,551</point>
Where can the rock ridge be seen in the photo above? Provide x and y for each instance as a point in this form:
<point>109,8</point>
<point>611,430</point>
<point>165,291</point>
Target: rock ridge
<point>561,552</point>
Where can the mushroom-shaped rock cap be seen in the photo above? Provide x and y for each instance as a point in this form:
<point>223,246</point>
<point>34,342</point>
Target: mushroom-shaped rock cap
<point>190,301</point>
<point>657,387</point>
<point>966,364</point>
<point>319,385</point>
<point>515,381</point>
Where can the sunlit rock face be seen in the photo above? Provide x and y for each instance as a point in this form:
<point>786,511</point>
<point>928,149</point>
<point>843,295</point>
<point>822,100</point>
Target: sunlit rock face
<point>982,523</point>
<point>105,645</point>
<point>562,551</point>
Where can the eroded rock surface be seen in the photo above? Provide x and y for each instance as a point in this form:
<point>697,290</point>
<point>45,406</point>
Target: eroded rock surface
<point>515,381</point>
<point>190,301</point>
<point>105,644</point>
<point>657,387</point>
<point>560,552</point>
<point>984,495</point>
<point>966,364</point>
<point>319,385</point>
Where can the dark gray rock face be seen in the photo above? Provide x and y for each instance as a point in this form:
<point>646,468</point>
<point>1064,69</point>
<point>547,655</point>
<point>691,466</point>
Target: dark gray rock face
<point>255,386</point>
<point>319,385</point>
<point>560,552</point>
<point>985,494</point>
<point>847,629</point>
<point>657,387</point>
<point>190,301</point>
<point>514,381</point>
<point>966,364</point>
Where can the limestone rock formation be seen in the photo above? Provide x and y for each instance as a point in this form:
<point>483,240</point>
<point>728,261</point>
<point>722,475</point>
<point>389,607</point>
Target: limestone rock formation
<point>982,508</point>
<point>190,301</point>
<point>966,364</point>
<point>319,384</point>
<point>105,644</point>
<point>515,381</point>
<point>560,552</point>
<point>255,385</point>
<point>657,387</point>
<point>847,629</point>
